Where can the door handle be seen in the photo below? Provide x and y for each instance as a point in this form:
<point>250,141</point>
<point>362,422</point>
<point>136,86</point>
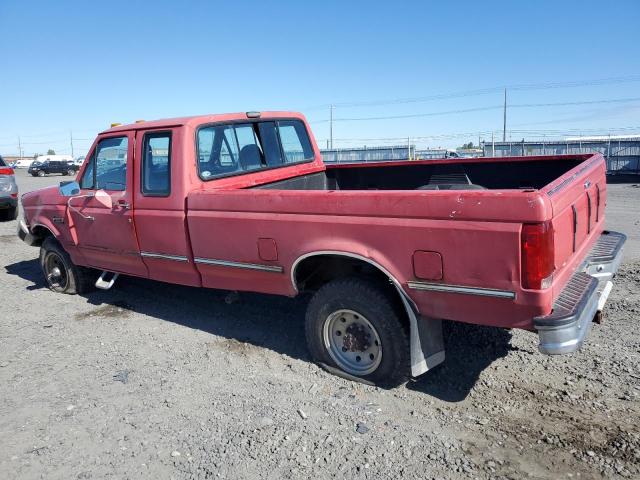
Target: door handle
<point>123,204</point>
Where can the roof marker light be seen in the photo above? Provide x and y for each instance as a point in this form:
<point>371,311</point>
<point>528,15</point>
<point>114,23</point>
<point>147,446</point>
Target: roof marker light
<point>139,121</point>
<point>115,124</point>
<point>253,114</point>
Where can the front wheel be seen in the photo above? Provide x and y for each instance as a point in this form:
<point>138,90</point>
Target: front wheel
<point>71,171</point>
<point>60,273</point>
<point>355,326</point>
<point>41,173</point>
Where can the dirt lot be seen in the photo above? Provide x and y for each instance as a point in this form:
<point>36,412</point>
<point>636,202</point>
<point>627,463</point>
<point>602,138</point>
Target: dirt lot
<point>161,381</point>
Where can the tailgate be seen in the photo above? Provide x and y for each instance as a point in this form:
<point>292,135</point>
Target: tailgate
<point>578,199</point>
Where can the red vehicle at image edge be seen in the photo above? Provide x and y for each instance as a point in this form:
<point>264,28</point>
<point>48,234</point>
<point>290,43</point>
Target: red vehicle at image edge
<point>243,202</point>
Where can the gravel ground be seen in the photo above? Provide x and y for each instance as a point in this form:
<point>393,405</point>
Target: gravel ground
<point>160,381</point>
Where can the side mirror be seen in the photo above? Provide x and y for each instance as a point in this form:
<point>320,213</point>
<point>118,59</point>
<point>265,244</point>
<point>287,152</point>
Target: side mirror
<point>69,189</point>
<point>104,199</point>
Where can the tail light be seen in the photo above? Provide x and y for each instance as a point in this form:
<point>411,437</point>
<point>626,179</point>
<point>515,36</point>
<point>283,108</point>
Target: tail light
<point>6,171</point>
<point>537,255</point>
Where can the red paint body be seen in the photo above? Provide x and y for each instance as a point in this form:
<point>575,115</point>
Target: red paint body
<point>468,238</point>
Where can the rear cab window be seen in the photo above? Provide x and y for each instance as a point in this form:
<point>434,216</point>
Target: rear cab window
<point>237,148</point>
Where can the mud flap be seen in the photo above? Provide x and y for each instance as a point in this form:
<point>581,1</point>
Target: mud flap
<point>425,341</point>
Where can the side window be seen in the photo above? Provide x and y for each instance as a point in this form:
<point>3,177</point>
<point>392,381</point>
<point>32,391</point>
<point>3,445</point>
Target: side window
<point>88,179</point>
<point>295,142</point>
<point>156,164</point>
<point>107,168</point>
<point>111,164</point>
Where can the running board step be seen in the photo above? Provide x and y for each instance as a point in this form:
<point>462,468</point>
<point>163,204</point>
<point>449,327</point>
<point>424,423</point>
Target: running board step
<point>104,282</point>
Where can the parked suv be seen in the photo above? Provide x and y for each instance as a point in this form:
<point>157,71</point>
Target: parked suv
<point>63,167</point>
<point>8,193</point>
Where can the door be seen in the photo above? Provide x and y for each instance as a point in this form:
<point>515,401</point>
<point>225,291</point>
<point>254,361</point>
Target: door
<point>106,237</point>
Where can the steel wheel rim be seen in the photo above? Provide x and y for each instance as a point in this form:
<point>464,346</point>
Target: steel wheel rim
<point>352,342</point>
<point>56,271</point>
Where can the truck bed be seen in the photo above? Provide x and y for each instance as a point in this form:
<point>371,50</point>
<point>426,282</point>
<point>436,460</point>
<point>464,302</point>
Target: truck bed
<point>475,230</point>
<point>459,174</point>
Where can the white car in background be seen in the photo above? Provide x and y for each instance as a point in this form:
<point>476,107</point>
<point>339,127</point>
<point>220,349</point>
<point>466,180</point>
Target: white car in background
<point>23,163</point>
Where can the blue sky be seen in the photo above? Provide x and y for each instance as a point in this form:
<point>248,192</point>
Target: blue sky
<point>81,65</point>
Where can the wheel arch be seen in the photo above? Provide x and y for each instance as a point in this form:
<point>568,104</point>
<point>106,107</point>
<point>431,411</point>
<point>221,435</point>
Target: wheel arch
<point>41,231</point>
<point>350,256</point>
<point>426,343</point>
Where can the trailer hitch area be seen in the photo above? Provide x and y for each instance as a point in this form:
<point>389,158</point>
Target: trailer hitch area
<point>106,280</point>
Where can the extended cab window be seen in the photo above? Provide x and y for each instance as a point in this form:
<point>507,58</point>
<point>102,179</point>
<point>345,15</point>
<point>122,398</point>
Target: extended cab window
<point>156,164</point>
<point>107,168</point>
<point>243,147</point>
<point>296,146</point>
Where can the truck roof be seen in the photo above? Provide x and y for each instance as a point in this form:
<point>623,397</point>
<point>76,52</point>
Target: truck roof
<point>201,119</point>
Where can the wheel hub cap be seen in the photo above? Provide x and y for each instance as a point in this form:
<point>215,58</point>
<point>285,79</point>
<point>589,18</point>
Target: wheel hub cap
<point>352,342</point>
<point>56,273</point>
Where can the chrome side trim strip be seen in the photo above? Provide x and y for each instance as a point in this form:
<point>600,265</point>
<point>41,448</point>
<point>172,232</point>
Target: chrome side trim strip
<point>247,266</point>
<point>175,258</point>
<point>483,292</point>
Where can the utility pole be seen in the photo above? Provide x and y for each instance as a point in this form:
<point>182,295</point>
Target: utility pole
<point>71,141</point>
<point>493,145</point>
<point>504,119</point>
<point>331,125</point>
<point>19,148</point>
<point>408,149</point>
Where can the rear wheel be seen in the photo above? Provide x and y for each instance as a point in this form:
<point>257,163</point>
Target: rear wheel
<point>59,271</point>
<point>71,171</point>
<point>356,327</point>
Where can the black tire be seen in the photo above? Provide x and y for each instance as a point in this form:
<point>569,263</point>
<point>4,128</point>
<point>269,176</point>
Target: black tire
<point>9,214</point>
<point>41,173</point>
<point>12,213</point>
<point>71,171</point>
<point>73,278</point>
<point>380,310</point>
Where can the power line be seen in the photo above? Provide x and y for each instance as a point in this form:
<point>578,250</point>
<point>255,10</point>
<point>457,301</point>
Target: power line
<point>483,91</point>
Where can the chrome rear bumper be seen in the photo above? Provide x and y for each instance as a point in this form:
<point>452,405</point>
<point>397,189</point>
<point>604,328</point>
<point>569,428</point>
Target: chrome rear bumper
<point>565,329</point>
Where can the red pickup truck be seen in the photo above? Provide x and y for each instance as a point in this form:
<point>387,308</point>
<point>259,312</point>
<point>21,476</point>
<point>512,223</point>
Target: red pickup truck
<point>243,202</point>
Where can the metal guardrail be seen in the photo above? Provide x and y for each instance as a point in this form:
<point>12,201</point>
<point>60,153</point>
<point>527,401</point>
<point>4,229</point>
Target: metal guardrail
<point>622,155</point>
